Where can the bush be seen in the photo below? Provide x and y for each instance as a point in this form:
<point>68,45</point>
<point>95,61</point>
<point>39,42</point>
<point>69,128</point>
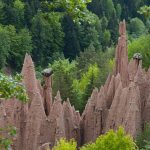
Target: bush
<point>12,88</point>
<point>112,141</point>
<point>82,88</point>
<point>65,145</point>
<point>143,139</point>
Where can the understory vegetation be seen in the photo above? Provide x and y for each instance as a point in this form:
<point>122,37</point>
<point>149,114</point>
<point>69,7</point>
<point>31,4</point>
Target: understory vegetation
<point>76,79</point>
<point>112,140</point>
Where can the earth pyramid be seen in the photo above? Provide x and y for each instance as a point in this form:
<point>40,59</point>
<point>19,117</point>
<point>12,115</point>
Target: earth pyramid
<point>124,100</point>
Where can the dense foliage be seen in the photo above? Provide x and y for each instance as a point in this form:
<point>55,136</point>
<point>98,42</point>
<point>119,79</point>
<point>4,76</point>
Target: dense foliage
<point>47,29</point>
<point>112,140</point>
<point>143,138</point>
<point>63,144</point>
<point>12,88</point>
<point>77,79</point>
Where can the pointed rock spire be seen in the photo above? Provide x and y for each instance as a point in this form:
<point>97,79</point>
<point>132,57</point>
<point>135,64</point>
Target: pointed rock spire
<point>47,94</point>
<point>132,68</point>
<point>34,120</point>
<point>58,96</point>
<point>110,92</point>
<point>121,65</point>
<point>112,114</point>
<point>122,28</point>
<point>29,78</point>
<point>133,111</point>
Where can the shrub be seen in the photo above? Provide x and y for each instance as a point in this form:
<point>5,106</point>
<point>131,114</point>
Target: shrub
<point>112,141</point>
<point>63,144</point>
<point>12,87</point>
<point>143,139</point>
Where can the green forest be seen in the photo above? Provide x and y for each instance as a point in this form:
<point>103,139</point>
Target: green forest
<point>52,29</point>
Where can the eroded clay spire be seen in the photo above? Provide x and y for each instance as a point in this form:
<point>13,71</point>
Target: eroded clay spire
<point>58,96</point>
<point>29,77</point>
<point>121,58</point>
<point>47,89</point>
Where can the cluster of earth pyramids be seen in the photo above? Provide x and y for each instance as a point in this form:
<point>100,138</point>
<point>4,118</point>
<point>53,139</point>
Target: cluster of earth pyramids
<point>124,100</point>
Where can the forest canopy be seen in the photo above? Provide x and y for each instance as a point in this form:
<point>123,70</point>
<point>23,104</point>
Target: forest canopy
<point>52,28</point>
